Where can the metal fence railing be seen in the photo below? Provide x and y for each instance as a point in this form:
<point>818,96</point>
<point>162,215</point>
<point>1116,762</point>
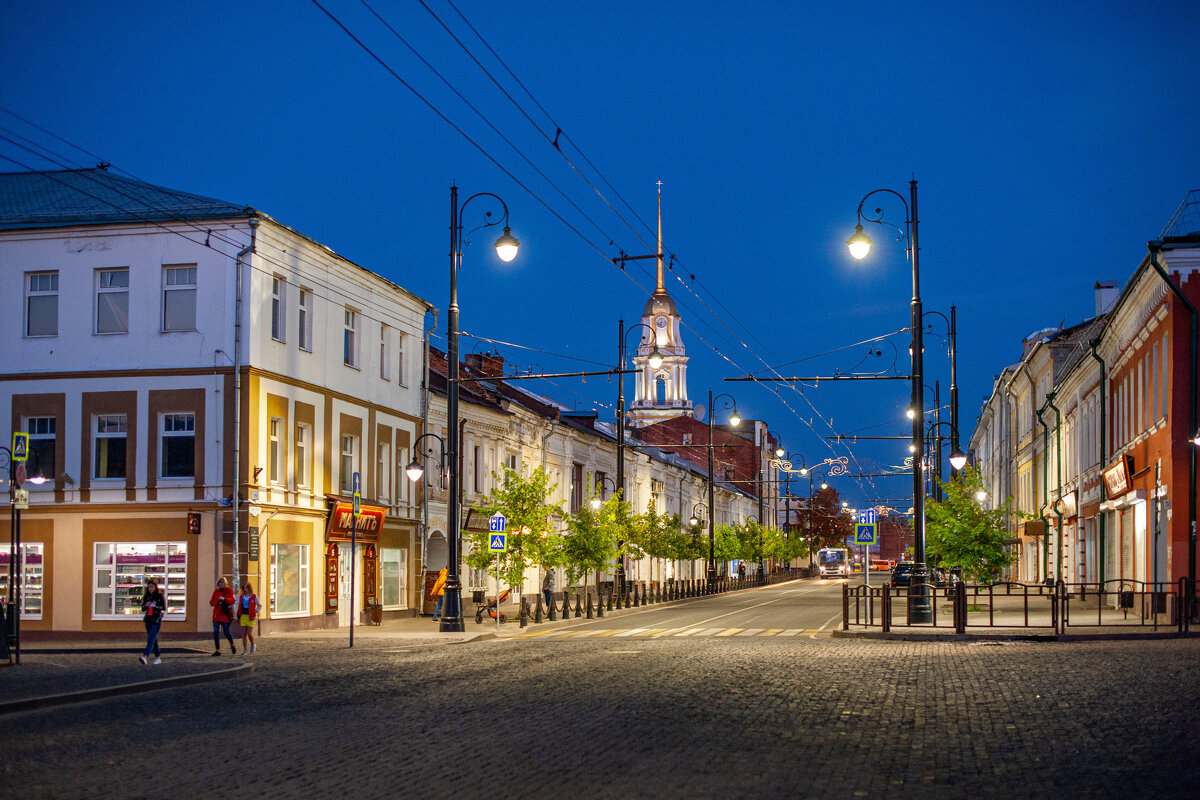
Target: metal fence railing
<point>1057,606</point>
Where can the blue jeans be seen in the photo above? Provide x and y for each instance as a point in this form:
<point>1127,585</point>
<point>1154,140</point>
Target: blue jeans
<point>151,637</point>
<point>218,627</point>
<point>438,608</point>
<point>549,597</point>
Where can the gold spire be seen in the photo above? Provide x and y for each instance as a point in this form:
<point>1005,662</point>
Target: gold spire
<point>661,288</point>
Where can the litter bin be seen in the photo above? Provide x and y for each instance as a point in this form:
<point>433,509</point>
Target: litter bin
<point>374,611</point>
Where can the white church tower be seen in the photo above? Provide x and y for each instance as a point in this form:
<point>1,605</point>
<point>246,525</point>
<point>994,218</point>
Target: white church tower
<point>661,391</point>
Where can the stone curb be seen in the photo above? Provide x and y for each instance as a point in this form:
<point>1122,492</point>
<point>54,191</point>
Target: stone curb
<point>47,701</point>
<point>1008,635</point>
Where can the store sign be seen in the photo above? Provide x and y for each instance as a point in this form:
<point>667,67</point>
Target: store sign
<point>331,578</point>
<point>1068,505</point>
<point>252,548</point>
<point>367,526</point>
<point>1116,477</point>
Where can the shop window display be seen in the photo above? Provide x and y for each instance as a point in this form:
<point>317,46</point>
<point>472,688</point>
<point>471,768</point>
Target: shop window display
<point>29,565</point>
<point>289,580</point>
<point>121,572</point>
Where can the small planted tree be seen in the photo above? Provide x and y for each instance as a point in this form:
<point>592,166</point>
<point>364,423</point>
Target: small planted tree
<point>533,538</point>
<point>591,541</point>
<point>960,532</point>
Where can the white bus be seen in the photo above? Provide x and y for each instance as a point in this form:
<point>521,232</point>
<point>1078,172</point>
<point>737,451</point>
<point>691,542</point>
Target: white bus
<point>833,562</point>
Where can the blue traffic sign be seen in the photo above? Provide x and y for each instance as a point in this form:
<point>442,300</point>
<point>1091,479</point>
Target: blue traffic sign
<point>864,533</point>
<point>20,446</point>
<point>867,517</point>
<point>496,524</point>
<point>498,543</point>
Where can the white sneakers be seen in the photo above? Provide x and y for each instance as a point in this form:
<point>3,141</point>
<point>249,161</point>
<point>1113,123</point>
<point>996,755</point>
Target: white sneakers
<point>253,647</point>
<point>142,659</point>
<point>156,660</point>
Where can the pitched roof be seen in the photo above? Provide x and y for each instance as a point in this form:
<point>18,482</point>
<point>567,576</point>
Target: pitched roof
<point>96,196</point>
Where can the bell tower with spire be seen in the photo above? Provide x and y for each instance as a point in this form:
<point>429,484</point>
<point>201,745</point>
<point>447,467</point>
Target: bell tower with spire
<point>661,391</point>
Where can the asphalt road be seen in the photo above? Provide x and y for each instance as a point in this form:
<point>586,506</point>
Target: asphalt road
<point>634,713</point>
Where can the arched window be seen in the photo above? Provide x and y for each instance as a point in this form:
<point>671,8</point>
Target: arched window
<point>660,391</point>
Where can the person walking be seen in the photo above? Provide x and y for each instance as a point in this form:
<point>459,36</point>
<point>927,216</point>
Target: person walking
<point>247,609</point>
<point>548,588</point>
<point>153,606</point>
<point>222,602</point>
<point>439,591</point>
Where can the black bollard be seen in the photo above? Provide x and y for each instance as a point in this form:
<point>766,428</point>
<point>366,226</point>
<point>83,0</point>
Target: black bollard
<point>610,594</point>
<point>643,594</point>
<point>589,604</point>
<point>523,613</point>
<point>628,591</point>
<point>578,606</point>
<point>550,612</point>
<point>537,616</point>
<point>566,609</point>
<point>635,595</point>
<point>600,603</point>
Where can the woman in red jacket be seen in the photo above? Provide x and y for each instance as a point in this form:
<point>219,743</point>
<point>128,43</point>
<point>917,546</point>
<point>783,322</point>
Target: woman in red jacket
<point>222,602</point>
<point>247,611</point>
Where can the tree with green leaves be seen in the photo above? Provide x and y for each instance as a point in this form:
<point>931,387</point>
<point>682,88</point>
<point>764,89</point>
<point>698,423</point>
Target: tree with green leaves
<point>960,532</point>
<point>533,536</point>
<point>590,545</point>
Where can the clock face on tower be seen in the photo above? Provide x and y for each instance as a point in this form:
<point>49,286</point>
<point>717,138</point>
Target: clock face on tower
<point>661,322</point>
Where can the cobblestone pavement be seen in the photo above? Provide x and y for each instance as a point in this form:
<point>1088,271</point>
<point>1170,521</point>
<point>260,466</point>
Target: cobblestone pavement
<point>618,717</point>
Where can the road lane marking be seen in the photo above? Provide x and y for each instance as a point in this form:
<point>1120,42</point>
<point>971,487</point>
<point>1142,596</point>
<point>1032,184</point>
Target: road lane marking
<point>730,631</point>
<point>650,631</point>
<point>631,631</point>
<point>792,631</point>
<point>773,631</point>
<point>689,631</point>
<point>751,632</point>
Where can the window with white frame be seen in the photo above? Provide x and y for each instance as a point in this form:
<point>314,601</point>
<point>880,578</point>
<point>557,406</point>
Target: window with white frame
<point>177,456</point>
<point>108,446</point>
<point>349,462</point>
<point>304,315</point>
<point>41,303</point>
<point>179,297</point>
<point>120,571</point>
<point>112,300</point>
<point>278,308</point>
<point>511,462</point>
<point>477,469</point>
<point>30,566</point>
<point>383,471</point>
<point>289,580</point>
<point>350,339</point>
<point>402,481</point>
<point>385,352</point>
<point>303,447</point>
<point>393,577</point>
<point>401,366</point>
<point>275,450</point>
<point>42,436</point>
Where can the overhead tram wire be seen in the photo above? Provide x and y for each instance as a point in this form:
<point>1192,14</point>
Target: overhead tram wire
<point>483,117</point>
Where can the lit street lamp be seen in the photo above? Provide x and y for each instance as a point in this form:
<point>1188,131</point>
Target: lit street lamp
<point>919,609</point>
<point>506,249</point>
<point>655,360</point>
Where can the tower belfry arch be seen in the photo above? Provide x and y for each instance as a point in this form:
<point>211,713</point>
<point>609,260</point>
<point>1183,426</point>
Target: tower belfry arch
<point>661,392</point>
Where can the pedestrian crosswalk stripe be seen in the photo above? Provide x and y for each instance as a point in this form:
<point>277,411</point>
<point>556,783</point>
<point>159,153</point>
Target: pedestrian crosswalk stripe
<point>658,633</point>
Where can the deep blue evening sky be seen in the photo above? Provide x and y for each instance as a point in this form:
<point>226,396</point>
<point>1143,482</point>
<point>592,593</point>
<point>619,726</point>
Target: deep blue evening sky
<point>1051,141</point>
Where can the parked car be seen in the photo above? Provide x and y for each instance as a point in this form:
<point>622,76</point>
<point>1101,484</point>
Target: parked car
<point>901,574</point>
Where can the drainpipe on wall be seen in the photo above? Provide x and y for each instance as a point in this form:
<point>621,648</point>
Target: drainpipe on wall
<point>1045,493</point>
<point>1155,248</point>
<point>1058,468</point>
<point>424,428</point>
<point>1103,455</point>
<point>237,396</point>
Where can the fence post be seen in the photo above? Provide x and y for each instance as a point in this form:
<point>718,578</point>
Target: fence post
<point>845,608</point>
<point>960,608</point>
<point>886,622</point>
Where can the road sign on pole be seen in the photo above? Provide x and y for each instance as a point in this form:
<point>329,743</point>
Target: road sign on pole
<point>865,533</point>
<point>498,542</point>
<point>20,446</point>
<point>497,523</point>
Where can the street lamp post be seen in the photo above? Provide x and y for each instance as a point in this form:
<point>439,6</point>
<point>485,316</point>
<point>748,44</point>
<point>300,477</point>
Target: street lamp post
<point>655,360</point>
<point>506,249</point>
<point>16,568</point>
<point>919,609</point>
<point>734,419</point>
<point>953,344</point>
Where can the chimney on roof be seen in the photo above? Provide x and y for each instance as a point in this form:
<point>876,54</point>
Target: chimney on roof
<point>1107,293</point>
<point>489,365</point>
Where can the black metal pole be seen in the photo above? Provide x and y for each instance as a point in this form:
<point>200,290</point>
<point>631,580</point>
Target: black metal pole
<point>620,576</point>
<point>712,564</point>
<point>452,620</point>
<point>954,443</point>
<point>919,609</point>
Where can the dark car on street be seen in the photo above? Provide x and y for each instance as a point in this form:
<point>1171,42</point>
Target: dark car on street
<point>901,574</point>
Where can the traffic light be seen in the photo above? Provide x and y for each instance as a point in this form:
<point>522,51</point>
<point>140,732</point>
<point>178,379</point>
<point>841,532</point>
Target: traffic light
<point>193,523</point>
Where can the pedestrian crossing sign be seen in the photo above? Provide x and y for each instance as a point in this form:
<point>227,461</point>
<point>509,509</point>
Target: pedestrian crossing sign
<point>20,446</point>
<point>864,533</point>
<point>498,543</point>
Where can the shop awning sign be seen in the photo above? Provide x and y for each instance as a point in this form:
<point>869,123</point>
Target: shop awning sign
<point>368,523</point>
<point>1116,478</point>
